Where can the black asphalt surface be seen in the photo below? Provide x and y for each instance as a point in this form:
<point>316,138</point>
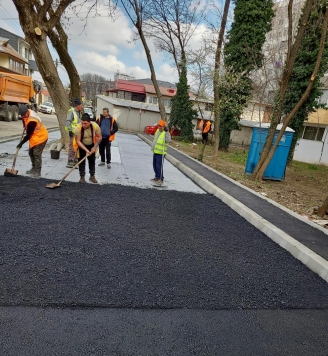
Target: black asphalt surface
<point>117,270</point>
<point>309,236</point>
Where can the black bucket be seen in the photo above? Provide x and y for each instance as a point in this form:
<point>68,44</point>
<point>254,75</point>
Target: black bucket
<point>54,154</point>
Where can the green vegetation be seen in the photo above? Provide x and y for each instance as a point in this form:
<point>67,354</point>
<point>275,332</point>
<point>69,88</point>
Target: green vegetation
<point>243,54</point>
<point>182,112</point>
<point>302,71</point>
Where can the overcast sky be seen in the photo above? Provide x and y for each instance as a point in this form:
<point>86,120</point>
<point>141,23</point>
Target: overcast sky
<point>103,47</point>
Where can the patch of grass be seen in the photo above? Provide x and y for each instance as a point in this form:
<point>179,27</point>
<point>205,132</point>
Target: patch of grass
<point>236,156</point>
<point>313,167</point>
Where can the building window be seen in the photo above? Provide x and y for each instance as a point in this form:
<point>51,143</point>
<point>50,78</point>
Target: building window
<point>26,53</point>
<point>167,102</point>
<point>313,133</point>
<point>153,100</point>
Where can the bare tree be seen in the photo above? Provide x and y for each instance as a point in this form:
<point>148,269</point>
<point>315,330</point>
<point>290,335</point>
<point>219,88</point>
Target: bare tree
<point>136,11</point>
<point>172,23</point>
<point>32,15</point>
<point>216,78</point>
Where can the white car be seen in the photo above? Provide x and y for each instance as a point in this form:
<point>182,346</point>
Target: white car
<point>47,108</point>
<point>90,111</point>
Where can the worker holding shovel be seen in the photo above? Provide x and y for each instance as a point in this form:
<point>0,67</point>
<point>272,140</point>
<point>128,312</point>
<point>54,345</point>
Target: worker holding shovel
<point>159,147</point>
<point>86,141</point>
<point>37,135</point>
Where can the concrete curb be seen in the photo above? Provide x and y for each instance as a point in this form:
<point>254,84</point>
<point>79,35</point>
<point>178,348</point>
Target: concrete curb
<point>290,212</point>
<point>309,258</point>
<point>15,137</point>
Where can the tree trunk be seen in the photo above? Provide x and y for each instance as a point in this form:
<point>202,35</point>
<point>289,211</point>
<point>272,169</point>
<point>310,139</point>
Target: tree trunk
<point>59,41</point>
<point>138,25</point>
<point>323,209</point>
<point>30,17</point>
<point>291,57</point>
<point>216,80</point>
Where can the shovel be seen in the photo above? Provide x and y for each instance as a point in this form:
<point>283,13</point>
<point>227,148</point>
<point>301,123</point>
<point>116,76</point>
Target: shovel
<point>57,185</point>
<point>13,172</point>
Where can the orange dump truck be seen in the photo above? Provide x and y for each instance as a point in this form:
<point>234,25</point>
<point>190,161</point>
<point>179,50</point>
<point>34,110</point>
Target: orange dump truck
<point>15,89</point>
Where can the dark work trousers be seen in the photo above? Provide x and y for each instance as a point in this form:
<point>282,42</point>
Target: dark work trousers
<point>157,165</point>
<point>35,154</point>
<point>105,144</point>
<point>205,137</point>
<point>91,160</point>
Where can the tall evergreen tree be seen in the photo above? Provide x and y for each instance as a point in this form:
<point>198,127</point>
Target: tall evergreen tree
<point>182,112</point>
<point>243,54</point>
<point>302,70</point>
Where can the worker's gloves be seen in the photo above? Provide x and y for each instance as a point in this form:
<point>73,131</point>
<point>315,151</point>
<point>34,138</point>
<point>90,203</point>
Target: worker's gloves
<point>71,134</point>
<point>19,145</point>
<point>165,128</point>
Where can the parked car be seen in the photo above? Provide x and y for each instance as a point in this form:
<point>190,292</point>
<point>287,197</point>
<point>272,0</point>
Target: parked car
<point>90,111</point>
<point>47,108</point>
<point>151,129</point>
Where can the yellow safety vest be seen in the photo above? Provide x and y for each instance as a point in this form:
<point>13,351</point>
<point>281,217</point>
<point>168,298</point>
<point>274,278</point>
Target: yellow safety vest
<point>161,145</point>
<point>75,120</point>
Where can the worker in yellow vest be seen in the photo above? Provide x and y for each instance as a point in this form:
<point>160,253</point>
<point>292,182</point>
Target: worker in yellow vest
<point>159,146</point>
<point>37,135</point>
<point>72,119</point>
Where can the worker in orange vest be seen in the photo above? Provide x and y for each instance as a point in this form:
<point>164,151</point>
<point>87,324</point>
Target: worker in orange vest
<point>205,130</point>
<point>37,135</point>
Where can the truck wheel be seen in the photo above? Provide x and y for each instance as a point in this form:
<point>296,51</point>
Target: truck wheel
<point>9,114</point>
<point>14,110</point>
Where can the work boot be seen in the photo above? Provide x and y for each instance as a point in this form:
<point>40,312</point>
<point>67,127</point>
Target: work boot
<point>154,179</point>
<point>30,171</point>
<point>70,164</point>
<point>93,179</point>
<point>82,180</point>
<point>36,174</point>
<point>101,164</point>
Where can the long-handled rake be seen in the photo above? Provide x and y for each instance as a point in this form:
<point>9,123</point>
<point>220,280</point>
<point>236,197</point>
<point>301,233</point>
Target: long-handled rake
<point>12,172</point>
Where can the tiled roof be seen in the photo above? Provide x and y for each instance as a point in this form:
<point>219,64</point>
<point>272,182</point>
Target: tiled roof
<point>164,90</point>
<point>5,47</point>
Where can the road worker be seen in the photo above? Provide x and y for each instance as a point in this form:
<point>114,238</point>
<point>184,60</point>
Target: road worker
<point>108,128</point>
<point>206,128</point>
<point>37,135</point>
<point>72,119</point>
<point>159,146</point>
<point>86,141</point>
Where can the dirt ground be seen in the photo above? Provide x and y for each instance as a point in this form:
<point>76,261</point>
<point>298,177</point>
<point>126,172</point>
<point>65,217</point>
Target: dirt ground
<point>303,189</point>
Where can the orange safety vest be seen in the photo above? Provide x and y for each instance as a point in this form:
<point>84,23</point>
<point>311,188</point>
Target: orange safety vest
<point>40,134</point>
<point>111,137</point>
<point>207,127</point>
<point>79,126</point>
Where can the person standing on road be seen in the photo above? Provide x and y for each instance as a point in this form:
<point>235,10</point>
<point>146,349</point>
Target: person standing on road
<point>108,128</point>
<point>72,119</point>
<point>37,135</point>
<point>87,138</point>
<point>159,146</point>
<point>205,130</point>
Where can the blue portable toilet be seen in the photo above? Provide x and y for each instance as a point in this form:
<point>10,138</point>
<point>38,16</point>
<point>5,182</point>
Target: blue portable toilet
<point>277,166</point>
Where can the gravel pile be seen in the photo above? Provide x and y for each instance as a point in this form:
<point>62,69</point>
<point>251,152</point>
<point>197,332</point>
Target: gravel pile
<point>118,246</point>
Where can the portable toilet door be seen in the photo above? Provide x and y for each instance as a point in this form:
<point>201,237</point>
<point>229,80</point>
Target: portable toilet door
<point>277,166</point>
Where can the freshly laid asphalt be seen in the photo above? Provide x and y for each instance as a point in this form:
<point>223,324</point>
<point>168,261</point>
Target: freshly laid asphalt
<point>127,269</point>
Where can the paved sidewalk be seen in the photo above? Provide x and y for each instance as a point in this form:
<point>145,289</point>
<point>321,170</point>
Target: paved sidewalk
<point>131,165</point>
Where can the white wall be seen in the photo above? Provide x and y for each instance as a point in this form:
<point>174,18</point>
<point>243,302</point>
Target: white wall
<point>128,119</point>
<point>308,151</point>
<point>242,136</point>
